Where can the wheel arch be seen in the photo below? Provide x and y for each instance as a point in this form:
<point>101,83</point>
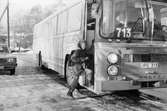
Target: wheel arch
<point>67,57</point>
<point>39,59</point>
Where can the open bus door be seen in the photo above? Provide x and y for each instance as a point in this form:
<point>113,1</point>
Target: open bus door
<point>90,24</point>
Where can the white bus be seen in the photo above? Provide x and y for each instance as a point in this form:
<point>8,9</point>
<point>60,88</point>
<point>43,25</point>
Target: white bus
<point>127,39</point>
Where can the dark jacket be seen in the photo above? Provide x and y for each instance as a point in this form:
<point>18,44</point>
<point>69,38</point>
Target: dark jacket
<point>78,57</point>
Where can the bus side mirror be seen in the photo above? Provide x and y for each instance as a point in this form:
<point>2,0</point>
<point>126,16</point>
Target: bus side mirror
<point>94,10</point>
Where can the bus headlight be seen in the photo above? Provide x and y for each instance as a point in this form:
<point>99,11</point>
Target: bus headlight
<point>113,70</point>
<point>112,58</point>
<point>10,60</point>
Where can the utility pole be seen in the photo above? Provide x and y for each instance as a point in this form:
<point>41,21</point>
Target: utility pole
<point>8,24</point>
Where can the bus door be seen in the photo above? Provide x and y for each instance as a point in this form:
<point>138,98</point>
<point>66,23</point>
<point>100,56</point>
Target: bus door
<point>90,22</point>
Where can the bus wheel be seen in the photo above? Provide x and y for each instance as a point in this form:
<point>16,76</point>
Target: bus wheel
<point>68,74</point>
<point>135,92</point>
<point>12,71</point>
<point>65,66</point>
<point>40,60</point>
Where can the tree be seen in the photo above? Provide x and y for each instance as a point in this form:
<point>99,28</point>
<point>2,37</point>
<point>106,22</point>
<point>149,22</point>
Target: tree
<point>25,23</point>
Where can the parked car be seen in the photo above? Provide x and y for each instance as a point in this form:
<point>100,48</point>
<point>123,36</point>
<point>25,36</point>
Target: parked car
<point>8,62</point>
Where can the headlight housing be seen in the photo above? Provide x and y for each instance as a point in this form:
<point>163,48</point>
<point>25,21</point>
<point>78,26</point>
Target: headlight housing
<point>10,59</point>
<point>112,70</point>
<point>113,58</point>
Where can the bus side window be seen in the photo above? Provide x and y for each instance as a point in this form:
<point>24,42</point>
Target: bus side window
<point>74,18</point>
<point>62,23</point>
<point>92,10</point>
<point>91,18</point>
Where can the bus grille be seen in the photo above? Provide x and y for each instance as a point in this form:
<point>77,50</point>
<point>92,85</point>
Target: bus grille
<point>148,84</point>
<point>2,60</point>
<point>145,58</point>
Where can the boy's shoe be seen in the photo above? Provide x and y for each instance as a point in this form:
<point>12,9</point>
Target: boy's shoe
<point>70,95</point>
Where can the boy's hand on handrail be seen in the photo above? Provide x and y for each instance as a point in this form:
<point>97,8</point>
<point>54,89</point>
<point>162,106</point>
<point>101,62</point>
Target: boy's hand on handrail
<point>84,59</point>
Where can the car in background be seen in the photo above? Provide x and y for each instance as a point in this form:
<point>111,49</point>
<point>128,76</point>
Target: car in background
<point>8,62</point>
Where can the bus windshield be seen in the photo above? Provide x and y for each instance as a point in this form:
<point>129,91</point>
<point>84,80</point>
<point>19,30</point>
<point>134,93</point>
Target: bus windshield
<point>160,20</point>
<point>131,19</point>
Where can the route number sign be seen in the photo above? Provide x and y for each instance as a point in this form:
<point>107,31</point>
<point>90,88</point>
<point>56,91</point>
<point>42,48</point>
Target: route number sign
<point>123,32</point>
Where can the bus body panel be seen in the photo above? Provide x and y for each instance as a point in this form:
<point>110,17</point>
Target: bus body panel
<point>57,39</point>
<point>131,70</point>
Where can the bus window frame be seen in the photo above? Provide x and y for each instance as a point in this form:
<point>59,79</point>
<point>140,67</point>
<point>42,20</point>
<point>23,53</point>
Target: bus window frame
<point>112,35</point>
<point>101,33</point>
<point>61,28</point>
<point>67,10</point>
<point>81,15</point>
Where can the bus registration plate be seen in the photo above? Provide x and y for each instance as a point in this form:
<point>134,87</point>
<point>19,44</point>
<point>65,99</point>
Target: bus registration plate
<point>149,65</point>
<point>1,67</point>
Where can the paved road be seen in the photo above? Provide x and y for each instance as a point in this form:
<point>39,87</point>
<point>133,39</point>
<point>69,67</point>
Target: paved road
<point>32,89</point>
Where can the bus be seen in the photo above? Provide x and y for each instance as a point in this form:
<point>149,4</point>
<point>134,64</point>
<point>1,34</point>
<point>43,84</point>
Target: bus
<point>126,41</point>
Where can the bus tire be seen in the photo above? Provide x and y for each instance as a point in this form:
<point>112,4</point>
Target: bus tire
<point>69,76</point>
<point>135,92</point>
<point>12,72</point>
<point>40,60</point>
<point>65,66</point>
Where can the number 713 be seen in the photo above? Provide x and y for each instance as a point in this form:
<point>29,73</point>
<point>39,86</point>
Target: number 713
<point>125,32</point>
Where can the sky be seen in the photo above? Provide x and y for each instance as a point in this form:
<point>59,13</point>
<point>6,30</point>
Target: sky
<point>19,7</point>
<point>23,5</point>
<point>26,4</point>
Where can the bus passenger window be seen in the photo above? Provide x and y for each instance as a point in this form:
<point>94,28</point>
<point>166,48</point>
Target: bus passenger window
<point>92,11</point>
<point>74,18</point>
<point>62,22</point>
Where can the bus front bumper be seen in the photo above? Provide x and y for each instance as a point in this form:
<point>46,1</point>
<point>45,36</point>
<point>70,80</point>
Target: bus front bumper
<point>105,86</point>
